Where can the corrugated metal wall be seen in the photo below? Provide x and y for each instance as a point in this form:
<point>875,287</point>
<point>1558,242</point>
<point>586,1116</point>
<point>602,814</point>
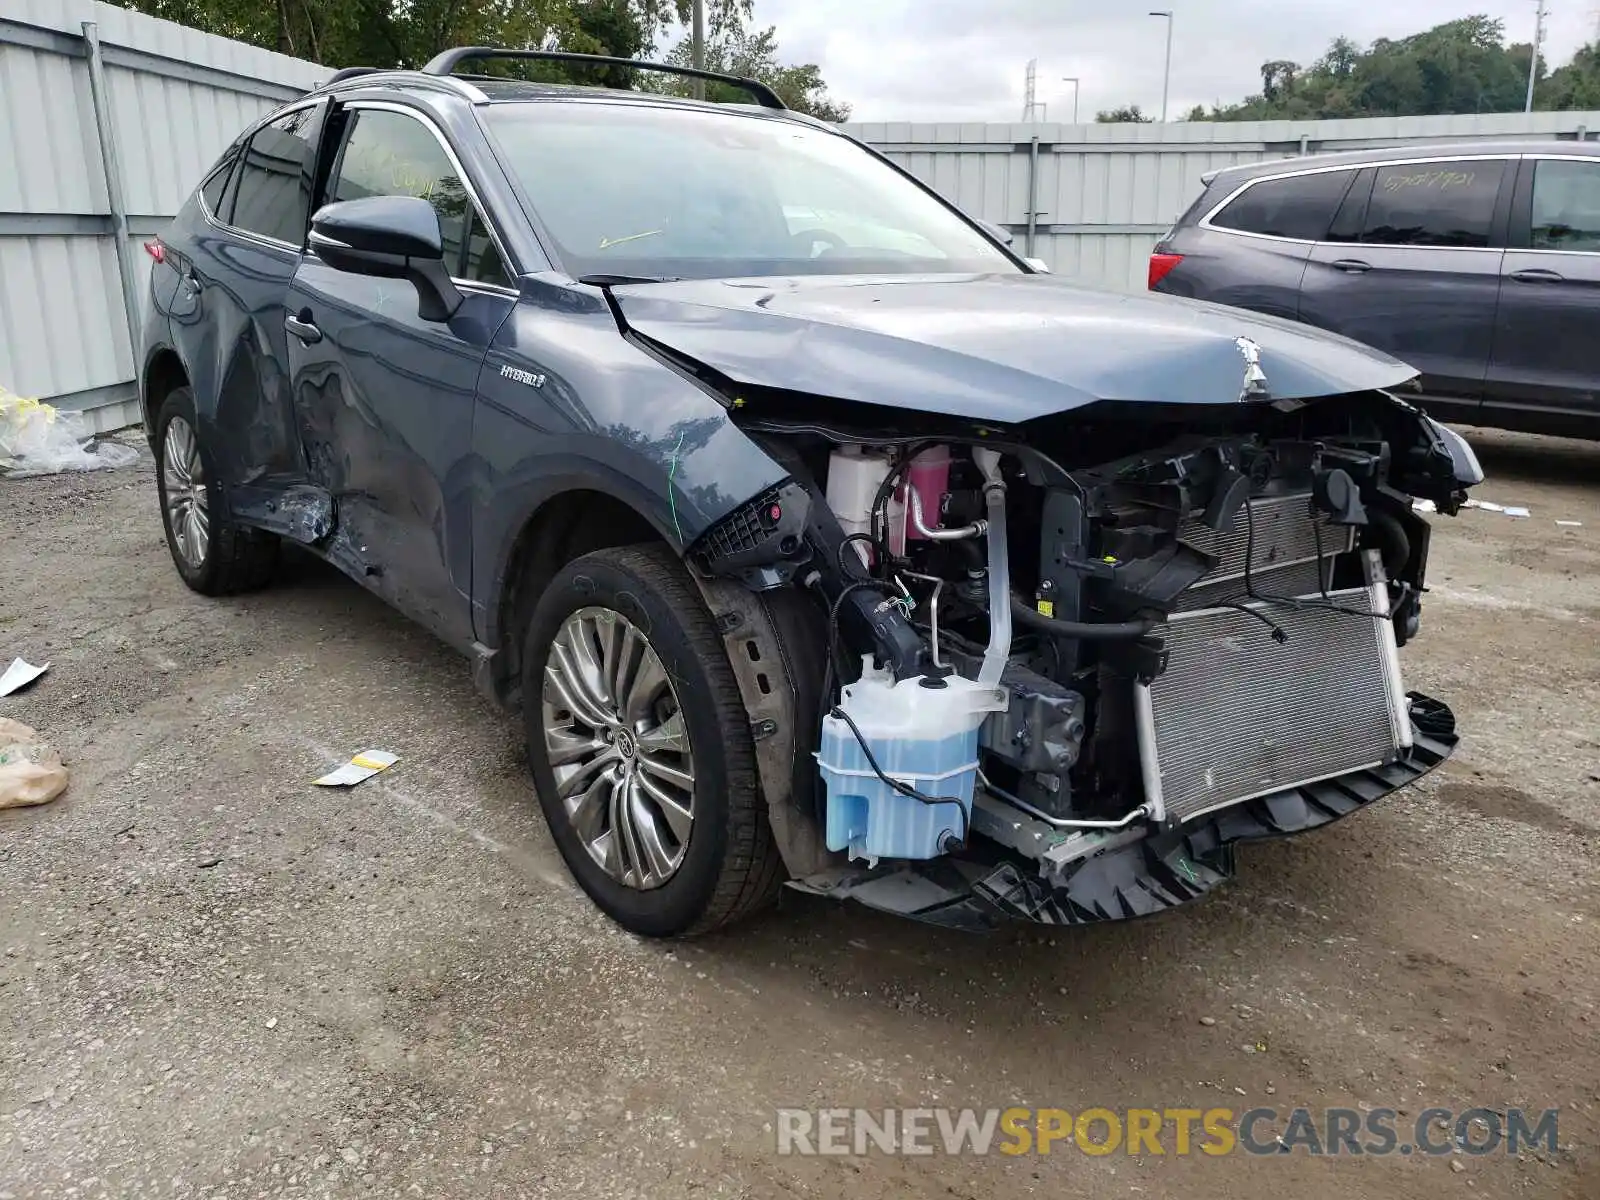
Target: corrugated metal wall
<point>175,98</point>
<point>1096,196</point>
<point>1103,195</point>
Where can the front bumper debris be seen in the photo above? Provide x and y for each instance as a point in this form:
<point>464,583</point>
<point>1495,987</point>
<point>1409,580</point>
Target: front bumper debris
<point>1138,874</point>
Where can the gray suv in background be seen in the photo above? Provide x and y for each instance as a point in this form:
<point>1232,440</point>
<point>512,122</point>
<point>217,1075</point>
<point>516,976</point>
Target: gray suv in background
<point>1479,265</point>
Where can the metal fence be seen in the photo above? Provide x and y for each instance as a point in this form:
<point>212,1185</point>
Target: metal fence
<point>108,118</point>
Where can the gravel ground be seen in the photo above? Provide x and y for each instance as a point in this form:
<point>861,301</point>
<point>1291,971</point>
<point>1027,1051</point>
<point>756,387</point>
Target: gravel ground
<point>217,980</point>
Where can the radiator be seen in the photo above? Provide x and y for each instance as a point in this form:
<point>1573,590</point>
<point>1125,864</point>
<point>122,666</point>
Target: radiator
<point>1238,715</point>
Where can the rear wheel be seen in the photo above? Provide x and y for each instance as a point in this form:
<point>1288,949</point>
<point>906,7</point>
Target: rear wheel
<point>212,553</point>
<point>640,746</point>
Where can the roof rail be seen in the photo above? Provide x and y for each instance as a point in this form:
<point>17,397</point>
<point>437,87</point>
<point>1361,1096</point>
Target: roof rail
<point>349,73</point>
<point>446,62</point>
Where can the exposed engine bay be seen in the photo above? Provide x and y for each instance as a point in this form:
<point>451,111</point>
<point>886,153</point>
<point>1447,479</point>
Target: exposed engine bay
<point>1039,649</point>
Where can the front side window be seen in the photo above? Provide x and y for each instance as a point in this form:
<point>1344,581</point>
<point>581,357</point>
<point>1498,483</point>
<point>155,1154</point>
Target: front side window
<point>1301,206</point>
<point>390,154</point>
<point>1434,204</point>
<point>272,194</point>
<point>661,192</point>
<point>1566,205</point>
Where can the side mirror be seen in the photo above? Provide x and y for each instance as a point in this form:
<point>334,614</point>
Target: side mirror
<point>391,237</point>
<point>998,232</point>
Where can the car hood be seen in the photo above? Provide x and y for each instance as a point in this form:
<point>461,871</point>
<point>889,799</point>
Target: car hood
<point>1002,348</point>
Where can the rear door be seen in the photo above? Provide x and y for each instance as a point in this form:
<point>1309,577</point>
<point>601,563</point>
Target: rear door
<point>386,399</point>
<point>1251,251</point>
<point>238,256</point>
<point>1547,343</point>
<point>1412,267</point>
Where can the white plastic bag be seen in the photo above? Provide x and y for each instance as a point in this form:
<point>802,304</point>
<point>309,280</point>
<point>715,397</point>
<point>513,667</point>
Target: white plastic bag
<point>38,439</point>
<point>30,770</point>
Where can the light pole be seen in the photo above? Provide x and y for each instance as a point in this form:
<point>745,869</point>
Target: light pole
<point>1533,65</point>
<point>1074,82</point>
<point>697,46</point>
<point>1166,80</point>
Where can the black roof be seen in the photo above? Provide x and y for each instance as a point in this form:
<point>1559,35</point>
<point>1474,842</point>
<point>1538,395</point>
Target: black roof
<point>1238,174</point>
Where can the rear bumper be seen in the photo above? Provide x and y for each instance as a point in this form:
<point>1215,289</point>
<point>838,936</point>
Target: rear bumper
<point>1151,874</point>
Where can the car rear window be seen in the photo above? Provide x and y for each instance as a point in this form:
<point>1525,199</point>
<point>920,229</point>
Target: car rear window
<point>1434,204</point>
<point>1566,205</point>
<point>1301,206</point>
<point>273,192</point>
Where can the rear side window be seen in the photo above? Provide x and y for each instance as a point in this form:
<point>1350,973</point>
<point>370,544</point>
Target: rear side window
<point>1434,204</point>
<point>390,154</point>
<point>273,193</point>
<point>1566,206</point>
<point>1301,206</point>
<point>211,190</point>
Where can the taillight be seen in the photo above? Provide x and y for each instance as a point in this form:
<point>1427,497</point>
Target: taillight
<point>156,250</point>
<point>1161,266</point>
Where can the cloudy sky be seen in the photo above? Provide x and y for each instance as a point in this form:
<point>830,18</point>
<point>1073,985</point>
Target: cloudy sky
<point>964,60</point>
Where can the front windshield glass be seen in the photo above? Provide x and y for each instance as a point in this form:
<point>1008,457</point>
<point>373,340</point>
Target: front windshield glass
<point>646,190</point>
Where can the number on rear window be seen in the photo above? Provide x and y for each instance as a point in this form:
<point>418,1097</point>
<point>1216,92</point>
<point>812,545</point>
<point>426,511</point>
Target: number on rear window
<point>273,192</point>
<point>1301,206</point>
<point>1434,204</point>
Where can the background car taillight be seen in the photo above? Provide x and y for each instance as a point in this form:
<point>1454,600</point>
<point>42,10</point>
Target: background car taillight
<point>1161,266</point>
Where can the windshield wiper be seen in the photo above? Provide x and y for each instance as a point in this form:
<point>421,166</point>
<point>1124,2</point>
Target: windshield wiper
<point>617,280</point>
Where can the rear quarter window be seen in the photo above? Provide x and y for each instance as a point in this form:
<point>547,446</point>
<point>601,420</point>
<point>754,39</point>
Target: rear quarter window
<point>216,182</point>
<point>1300,207</point>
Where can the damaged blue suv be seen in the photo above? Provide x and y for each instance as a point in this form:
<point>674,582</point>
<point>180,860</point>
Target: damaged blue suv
<point>820,539</point>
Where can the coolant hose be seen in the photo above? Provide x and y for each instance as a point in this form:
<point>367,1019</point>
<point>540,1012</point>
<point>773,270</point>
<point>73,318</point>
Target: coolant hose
<point>994,495</point>
<point>1396,548</point>
<point>1085,631</point>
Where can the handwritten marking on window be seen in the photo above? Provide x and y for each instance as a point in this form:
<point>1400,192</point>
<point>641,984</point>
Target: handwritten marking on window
<point>1443,180</point>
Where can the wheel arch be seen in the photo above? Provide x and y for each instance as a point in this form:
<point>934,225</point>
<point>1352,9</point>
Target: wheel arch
<point>164,373</point>
<point>575,520</point>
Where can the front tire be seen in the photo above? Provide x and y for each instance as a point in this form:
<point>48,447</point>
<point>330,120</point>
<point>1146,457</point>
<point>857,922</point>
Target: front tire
<point>213,554</point>
<point>640,747</point>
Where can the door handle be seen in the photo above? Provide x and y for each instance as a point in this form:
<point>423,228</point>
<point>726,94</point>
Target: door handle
<point>1537,275</point>
<point>302,327</point>
<point>1351,266</point>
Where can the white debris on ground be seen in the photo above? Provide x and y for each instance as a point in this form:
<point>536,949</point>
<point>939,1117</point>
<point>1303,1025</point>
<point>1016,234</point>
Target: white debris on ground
<point>39,439</point>
<point>363,766</point>
<point>19,675</point>
<point>31,771</point>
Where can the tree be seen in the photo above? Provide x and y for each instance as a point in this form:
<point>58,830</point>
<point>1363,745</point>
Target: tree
<point>1576,85</point>
<point>406,33</point>
<point>735,50</point>
<point>1127,115</point>
<point>1460,66</point>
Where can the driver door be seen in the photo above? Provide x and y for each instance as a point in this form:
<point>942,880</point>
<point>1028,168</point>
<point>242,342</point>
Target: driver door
<point>384,398</point>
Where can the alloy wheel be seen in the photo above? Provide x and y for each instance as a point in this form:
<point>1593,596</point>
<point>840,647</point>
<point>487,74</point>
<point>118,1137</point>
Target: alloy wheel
<point>183,492</point>
<point>618,747</point>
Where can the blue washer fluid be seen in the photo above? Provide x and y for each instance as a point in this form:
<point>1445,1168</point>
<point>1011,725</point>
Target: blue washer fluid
<point>923,736</point>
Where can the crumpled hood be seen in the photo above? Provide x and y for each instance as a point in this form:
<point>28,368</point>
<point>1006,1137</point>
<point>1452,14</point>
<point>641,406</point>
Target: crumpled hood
<point>1001,348</point>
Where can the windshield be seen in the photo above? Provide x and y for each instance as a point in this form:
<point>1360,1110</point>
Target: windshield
<point>646,190</point>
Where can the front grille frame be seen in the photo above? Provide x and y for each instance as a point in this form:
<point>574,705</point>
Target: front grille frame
<point>1148,701</point>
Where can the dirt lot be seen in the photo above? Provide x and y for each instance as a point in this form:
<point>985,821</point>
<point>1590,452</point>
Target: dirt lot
<point>216,980</point>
